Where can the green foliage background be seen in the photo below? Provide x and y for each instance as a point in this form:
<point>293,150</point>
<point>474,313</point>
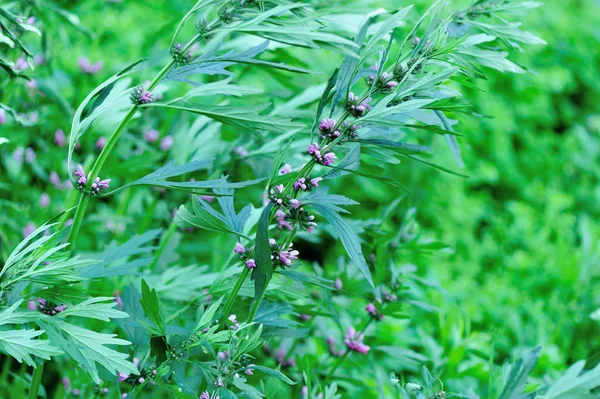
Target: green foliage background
<point>521,257</point>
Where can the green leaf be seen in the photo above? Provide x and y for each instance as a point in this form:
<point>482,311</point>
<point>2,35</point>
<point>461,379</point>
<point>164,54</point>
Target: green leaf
<point>100,308</point>
<point>21,345</point>
<point>350,162</point>
<point>575,383</point>
<point>262,253</point>
<point>349,239</point>
<point>212,64</point>
<point>79,124</point>
<point>225,393</point>
<point>208,316</point>
<point>203,216</point>
<point>246,119</point>
<point>306,278</point>
<point>159,177</point>
<point>397,146</point>
<point>273,373</point>
<point>222,87</point>
<point>152,308</point>
<point>324,99</point>
<point>515,382</point>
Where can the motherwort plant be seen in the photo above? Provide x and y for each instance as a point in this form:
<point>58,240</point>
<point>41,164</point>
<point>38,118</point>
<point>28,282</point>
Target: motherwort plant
<point>193,331</point>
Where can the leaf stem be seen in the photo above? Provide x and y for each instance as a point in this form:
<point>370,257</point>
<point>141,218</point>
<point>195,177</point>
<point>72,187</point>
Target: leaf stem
<point>36,380</point>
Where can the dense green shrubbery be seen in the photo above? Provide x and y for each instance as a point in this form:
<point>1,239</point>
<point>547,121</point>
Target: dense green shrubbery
<point>471,274</point>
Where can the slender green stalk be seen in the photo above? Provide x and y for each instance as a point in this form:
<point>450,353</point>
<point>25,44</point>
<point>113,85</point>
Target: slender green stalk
<point>235,291</point>
<point>36,380</point>
<point>101,160</point>
<point>163,243</point>
<point>257,302</point>
<point>338,364</point>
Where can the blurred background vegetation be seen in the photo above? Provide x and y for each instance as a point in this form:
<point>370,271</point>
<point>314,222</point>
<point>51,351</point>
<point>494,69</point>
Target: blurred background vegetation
<point>520,260</point>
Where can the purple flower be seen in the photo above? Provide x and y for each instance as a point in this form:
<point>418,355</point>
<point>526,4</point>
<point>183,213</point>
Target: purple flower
<point>21,64</point>
<point>81,174</point>
<point>241,151</point>
<point>338,284</point>
<point>44,200</point>
<point>141,380</point>
<point>166,143</point>
<point>28,229</point>
<point>151,135</point>
<point>239,248</point>
<point>122,376</point>
<point>141,96</point>
<point>98,185</point>
<point>355,108</point>
<point>329,158</point>
<point>2,116</point>
<point>354,341</point>
<point>119,301</point>
<point>232,318</point>
<point>59,138</point>
<point>124,396</point>
<point>295,203</point>
<point>250,264</point>
<point>66,382</point>
<point>55,180</point>
<point>315,181</point>
<point>32,305</point>
<point>287,168</point>
<point>30,155</point>
<point>371,309</point>
<point>75,392</point>
<point>300,184</point>
<point>326,159</point>
<point>34,117</point>
<point>101,143</point>
<point>87,67</point>
<point>327,129</point>
<point>19,154</point>
<point>205,395</point>
<point>283,223</point>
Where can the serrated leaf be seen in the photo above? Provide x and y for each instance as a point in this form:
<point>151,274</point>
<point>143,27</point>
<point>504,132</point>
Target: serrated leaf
<point>515,383</point>
<point>159,177</point>
<point>21,345</point>
<point>349,239</point>
<point>575,383</point>
<point>350,162</point>
<point>246,119</point>
<point>100,308</point>
<point>152,308</point>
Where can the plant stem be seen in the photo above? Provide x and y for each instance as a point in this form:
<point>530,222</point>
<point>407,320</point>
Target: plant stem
<point>257,302</point>
<point>36,380</point>
<point>234,292</point>
<point>338,364</point>
<point>112,140</point>
<point>163,243</point>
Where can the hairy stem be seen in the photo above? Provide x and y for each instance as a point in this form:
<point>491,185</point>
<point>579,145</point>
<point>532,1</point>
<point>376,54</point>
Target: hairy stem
<point>36,380</point>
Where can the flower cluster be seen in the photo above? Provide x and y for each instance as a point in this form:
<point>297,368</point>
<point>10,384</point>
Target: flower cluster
<point>282,257</point>
<point>179,55</point>
<point>306,185</point>
<point>354,341</point>
<point>46,307</point>
<point>139,95</point>
<point>357,108</point>
<point>97,186</point>
<point>327,129</point>
<point>324,159</point>
<point>278,196</point>
<point>373,311</point>
<point>384,83</point>
<point>351,129</point>
<point>242,252</point>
